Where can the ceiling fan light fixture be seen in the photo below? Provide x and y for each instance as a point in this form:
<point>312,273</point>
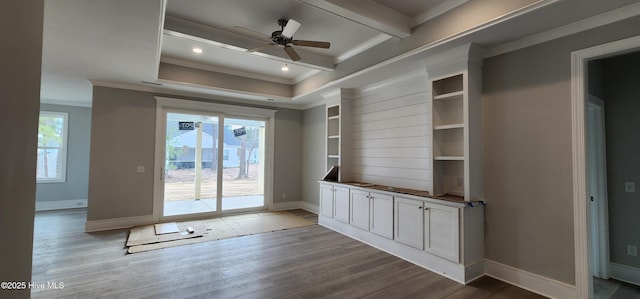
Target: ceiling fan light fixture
<point>197,50</point>
<point>285,68</point>
<point>291,28</point>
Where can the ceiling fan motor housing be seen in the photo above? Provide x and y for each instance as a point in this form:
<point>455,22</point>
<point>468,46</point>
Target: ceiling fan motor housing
<point>280,39</point>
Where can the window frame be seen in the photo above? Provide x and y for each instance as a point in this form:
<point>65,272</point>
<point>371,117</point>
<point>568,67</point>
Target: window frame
<point>62,150</point>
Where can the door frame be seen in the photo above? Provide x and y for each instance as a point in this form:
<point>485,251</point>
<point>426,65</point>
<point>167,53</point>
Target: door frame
<point>579,98</point>
<point>163,104</point>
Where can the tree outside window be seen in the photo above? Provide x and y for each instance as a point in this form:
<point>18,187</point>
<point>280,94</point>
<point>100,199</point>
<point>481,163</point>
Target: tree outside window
<point>52,147</point>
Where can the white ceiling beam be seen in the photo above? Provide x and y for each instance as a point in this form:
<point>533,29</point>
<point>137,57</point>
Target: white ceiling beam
<point>368,13</point>
<point>230,40</point>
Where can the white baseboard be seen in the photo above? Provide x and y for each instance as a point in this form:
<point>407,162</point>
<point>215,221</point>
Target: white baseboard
<point>529,281</point>
<point>625,273</point>
<point>61,204</point>
<point>108,224</point>
<point>292,205</point>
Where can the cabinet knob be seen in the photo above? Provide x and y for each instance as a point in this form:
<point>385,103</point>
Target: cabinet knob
<point>420,208</point>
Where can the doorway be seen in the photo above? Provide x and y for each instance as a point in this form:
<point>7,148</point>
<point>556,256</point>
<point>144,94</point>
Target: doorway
<point>211,159</point>
<point>581,198</point>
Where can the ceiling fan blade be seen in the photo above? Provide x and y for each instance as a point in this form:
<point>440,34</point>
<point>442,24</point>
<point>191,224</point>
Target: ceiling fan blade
<point>291,28</point>
<point>250,33</point>
<point>292,53</point>
<point>311,43</point>
<point>260,47</point>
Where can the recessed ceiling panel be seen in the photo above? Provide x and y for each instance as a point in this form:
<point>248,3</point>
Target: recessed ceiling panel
<point>233,62</point>
<point>262,16</point>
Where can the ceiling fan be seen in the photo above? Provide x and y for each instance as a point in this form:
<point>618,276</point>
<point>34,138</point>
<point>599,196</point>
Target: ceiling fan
<point>284,37</point>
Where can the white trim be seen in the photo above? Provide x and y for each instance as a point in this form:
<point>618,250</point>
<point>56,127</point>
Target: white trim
<point>310,207</point>
<point>579,60</point>
<point>66,103</point>
<point>606,18</point>
<point>61,204</point>
<point>438,10</point>
<point>292,205</point>
<point>366,45</point>
<point>117,223</point>
<point>529,281</point>
<point>625,273</point>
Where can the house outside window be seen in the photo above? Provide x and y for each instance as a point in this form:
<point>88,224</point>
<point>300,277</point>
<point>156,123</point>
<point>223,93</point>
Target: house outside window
<point>52,147</point>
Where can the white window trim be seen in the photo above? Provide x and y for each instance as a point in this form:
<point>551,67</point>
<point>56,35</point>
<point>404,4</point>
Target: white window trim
<point>62,177</point>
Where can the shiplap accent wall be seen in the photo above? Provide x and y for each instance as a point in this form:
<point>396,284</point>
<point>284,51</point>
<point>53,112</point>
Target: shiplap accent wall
<point>391,133</point>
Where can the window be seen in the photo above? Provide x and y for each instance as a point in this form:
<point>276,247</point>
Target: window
<point>52,147</point>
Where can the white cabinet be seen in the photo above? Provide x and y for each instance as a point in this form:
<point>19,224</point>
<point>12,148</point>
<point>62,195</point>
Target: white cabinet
<point>408,222</point>
<point>429,226</point>
<point>341,203</point>
<point>442,231</point>
<point>334,202</point>
<point>326,200</point>
<point>443,236</point>
<point>360,209</point>
<point>372,211</point>
<point>381,214</point>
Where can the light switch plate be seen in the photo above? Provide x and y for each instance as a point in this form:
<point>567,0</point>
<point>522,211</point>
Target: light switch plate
<point>140,169</point>
<point>629,187</point>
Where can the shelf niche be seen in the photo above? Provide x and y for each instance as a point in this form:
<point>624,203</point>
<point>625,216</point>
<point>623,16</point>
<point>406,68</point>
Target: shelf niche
<point>338,132</point>
<point>455,82</point>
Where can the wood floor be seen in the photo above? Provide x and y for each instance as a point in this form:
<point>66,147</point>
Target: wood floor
<point>308,262</point>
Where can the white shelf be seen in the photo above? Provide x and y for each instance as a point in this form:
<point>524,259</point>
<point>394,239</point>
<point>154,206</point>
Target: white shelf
<point>450,96</point>
<point>334,117</point>
<point>448,127</point>
<point>333,136</point>
<point>449,158</point>
<point>334,156</point>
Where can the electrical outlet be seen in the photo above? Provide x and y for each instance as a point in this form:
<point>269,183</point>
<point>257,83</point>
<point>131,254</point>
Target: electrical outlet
<point>632,250</point>
<point>140,169</point>
<point>629,187</point>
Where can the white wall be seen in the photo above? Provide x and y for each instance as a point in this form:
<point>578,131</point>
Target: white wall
<point>391,133</point>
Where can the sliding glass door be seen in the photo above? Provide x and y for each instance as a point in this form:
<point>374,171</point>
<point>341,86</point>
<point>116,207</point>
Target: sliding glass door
<point>243,163</point>
<point>191,164</point>
<point>212,163</point>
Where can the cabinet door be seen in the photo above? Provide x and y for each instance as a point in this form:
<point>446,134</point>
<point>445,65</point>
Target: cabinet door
<point>442,231</point>
<point>408,222</point>
<point>382,214</point>
<point>341,202</point>
<point>360,209</point>
<point>326,200</point>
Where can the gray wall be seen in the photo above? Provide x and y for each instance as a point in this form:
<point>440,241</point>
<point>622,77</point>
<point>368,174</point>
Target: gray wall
<point>622,103</point>
<point>313,169</point>
<point>123,137</point>
<point>20,58</point>
<point>527,152</point>
<point>287,168</point>
<point>77,182</point>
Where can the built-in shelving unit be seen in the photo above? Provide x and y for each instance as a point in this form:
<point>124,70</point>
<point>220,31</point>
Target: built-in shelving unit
<point>455,81</point>
<point>338,108</point>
